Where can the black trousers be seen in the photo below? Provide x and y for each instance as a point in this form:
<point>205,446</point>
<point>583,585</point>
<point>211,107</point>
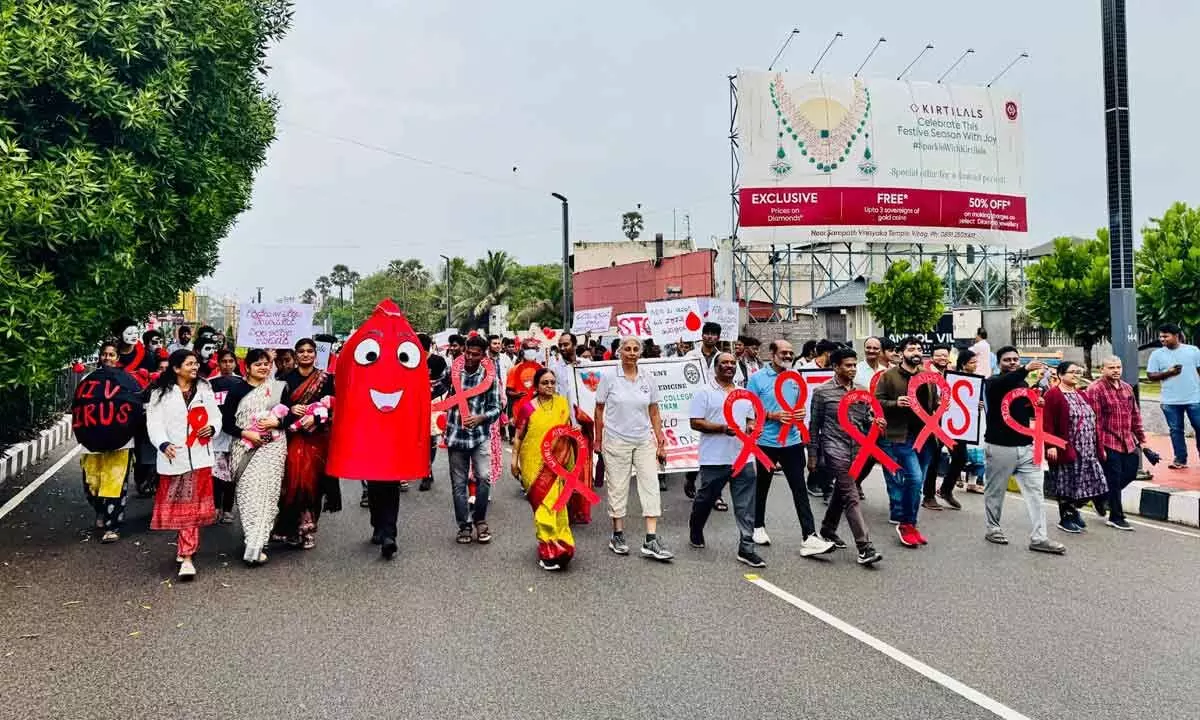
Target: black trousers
<point>791,460</point>
<point>931,473</point>
<point>384,499</point>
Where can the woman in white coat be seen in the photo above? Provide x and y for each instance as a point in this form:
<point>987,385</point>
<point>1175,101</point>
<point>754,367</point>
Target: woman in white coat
<point>181,419</point>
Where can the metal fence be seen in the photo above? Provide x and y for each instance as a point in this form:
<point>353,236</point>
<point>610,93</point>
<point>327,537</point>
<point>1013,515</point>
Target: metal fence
<point>24,411</point>
<point>1032,336</point>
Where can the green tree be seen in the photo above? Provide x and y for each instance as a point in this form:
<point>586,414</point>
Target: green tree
<point>487,284</point>
<point>1068,291</point>
<point>907,300</point>
<point>341,277</point>
<point>632,224</point>
<point>323,286</point>
<point>537,296</point>
<point>129,137</point>
<point>1168,269</point>
<point>308,296</point>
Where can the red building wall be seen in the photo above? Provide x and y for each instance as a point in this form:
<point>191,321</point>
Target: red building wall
<point>627,288</point>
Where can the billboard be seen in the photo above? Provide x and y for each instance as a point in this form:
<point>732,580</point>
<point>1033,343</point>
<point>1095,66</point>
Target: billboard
<point>854,160</point>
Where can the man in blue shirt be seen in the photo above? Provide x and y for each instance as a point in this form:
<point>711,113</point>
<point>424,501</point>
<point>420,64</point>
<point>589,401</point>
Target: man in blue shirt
<point>1176,366</point>
<point>788,456</point>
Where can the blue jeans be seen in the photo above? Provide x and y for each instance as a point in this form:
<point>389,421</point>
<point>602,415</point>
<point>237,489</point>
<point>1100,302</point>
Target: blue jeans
<point>905,485</point>
<point>1174,415</point>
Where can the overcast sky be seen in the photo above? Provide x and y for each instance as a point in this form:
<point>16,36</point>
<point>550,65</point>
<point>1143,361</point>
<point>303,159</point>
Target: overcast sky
<point>627,102</point>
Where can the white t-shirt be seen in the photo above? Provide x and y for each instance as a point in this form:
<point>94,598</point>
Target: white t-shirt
<point>983,358</point>
<point>864,375</point>
<point>739,377</point>
<point>627,404</point>
<point>709,404</point>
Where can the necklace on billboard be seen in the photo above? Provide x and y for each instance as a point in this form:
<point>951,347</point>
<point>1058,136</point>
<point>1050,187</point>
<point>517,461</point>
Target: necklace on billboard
<point>809,124</point>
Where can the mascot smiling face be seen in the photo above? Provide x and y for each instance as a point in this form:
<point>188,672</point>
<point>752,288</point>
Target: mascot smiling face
<point>381,431</point>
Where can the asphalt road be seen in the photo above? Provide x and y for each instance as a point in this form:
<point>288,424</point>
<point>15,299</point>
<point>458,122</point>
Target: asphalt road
<point>447,631</point>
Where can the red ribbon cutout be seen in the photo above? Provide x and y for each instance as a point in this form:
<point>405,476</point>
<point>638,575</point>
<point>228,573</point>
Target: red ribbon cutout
<point>571,478</point>
<point>869,443</point>
<point>801,399</point>
<point>461,396</point>
<point>933,423</point>
<point>749,441</point>
<point>1041,438</point>
<point>197,420</point>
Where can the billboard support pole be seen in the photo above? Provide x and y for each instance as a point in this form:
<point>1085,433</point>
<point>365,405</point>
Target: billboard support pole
<point>1122,299</point>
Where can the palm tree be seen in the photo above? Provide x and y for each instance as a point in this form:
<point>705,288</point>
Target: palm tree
<point>340,277</point>
<point>352,280</point>
<point>632,224</point>
<point>411,275</point>
<point>308,296</point>
<point>487,284</point>
<point>323,286</point>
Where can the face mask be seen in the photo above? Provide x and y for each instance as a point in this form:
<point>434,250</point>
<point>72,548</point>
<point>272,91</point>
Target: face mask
<point>529,355</point>
<point>130,336</point>
<point>206,351</point>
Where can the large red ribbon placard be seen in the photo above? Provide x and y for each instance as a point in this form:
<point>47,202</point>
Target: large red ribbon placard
<point>933,423</point>
<point>801,400</point>
<point>572,479</point>
<point>1037,431</point>
<point>749,440</point>
<point>460,396</point>
<point>869,443</point>
<point>197,420</point>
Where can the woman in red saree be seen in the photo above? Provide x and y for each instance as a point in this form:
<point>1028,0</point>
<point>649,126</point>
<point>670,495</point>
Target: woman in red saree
<point>304,480</point>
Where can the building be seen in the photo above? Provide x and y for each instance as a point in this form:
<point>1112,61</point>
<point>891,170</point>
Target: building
<point>628,286</point>
<point>593,255</point>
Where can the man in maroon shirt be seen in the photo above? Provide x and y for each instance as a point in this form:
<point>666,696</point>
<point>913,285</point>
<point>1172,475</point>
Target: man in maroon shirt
<point>1119,422</point>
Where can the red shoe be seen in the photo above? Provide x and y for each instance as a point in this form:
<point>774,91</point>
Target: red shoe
<point>908,535</point>
<point>920,538</point>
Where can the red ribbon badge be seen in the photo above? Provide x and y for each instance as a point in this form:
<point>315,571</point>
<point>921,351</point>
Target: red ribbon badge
<point>1041,438</point>
<point>869,443</point>
<point>933,423</point>
<point>801,400</point>
<point>461,396</point>
<point>197,420</point>
<point>749,441</point>
<point>571,478</point>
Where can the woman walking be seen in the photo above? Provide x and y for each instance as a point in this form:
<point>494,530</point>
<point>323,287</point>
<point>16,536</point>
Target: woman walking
<point>105,471</point>
<point>224,488</point>
<point>181,420</point>
<point>629,434</point>
<point>251,414</point>
<point>535,418</point>
<point>308,445</point>
<point>1076,475</point>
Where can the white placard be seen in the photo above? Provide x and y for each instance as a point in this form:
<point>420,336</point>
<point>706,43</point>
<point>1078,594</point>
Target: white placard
<point>634,325</point>
<point>498,320</point>
<point>441,341</point>
<point>724,313</point>
<point>273,325</point>
<point>812,378</point>
<point>675,320</point>
<point>324,350</point>
<point>594,320</point>
<point>678,380</point>
<point>967,323</point>
<point>962,420</point>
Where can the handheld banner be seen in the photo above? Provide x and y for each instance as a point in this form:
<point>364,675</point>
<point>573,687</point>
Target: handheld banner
<point>933,423</point>
<point>869,443</point>
<point>801,403</point>
<point>1041,438</point>
<point>594,320</point>
<point>675,320</point>
<point>106,409</point>
<point>749,440</point>
<point>573,479</point>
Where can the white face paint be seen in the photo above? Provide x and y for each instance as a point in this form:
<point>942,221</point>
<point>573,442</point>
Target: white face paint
<point>206,350</point>
<point>130,335</point>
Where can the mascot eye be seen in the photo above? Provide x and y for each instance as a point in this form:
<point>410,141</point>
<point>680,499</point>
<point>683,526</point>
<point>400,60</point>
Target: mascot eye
<point>367,352</point>
<point>408,354</point>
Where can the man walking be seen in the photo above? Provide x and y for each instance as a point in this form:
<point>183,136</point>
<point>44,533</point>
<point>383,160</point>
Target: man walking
<point>833,449</point>
<point>1010,453</point>
<point>1175,365</point>
<point>939,362</point>
<point>874,364</point>
<point>788,455</point>
<point>719,447</point>
<point>983,354</point>
<point>904,488</point>
<point>468,445</point>
<point>1119,422</point>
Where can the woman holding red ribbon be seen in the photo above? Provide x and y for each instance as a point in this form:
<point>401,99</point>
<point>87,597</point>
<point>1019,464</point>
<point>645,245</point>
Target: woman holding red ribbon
<point>535,419</point>
<point>181,420</point>
<point>1076,475</point>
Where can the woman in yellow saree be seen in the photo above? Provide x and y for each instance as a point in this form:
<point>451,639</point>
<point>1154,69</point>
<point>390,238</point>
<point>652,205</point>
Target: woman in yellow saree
<point>535,418</point>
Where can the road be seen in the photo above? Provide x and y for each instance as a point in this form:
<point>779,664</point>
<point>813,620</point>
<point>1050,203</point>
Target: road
<point>448,631</point>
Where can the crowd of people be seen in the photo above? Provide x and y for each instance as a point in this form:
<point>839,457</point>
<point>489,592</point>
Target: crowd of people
<point>228,439</point>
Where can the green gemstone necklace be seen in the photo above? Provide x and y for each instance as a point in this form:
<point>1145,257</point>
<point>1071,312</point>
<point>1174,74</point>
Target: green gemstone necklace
<point>826,148</point>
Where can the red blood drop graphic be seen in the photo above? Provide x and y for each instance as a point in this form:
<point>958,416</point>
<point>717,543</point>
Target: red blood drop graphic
<point>548,332</point>
<point>441,422</point>
<point>693,322</point>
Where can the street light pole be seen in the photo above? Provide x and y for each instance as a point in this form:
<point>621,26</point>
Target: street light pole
<point>1122,299</point>
<point>448,317</point>
<point>566,262</point>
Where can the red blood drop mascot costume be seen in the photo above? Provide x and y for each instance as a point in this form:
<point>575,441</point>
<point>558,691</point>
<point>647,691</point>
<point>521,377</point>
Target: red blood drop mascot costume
<point>381,433</point>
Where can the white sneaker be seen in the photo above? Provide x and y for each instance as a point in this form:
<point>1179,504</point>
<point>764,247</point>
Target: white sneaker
<point>187,570</point>
<point>761,537</point>
<point>815,545</point>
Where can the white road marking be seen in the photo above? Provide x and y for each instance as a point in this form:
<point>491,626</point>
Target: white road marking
<point>971,694</point>
<point>37,483</point>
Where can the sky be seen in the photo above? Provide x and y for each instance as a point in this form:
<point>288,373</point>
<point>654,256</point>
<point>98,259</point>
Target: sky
<point>417,129</point>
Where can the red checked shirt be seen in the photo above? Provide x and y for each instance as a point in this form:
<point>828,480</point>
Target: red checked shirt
<point>1118,417</point>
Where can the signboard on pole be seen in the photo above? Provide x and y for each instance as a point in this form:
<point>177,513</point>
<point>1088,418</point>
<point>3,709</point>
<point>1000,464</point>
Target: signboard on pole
<point>675,320</point>
<point>827,159</point>
<point>678,379</point>
<point>273,325</point>
<point>594,320</point>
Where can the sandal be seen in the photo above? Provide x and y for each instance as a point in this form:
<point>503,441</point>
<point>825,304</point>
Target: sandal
<point>110,537</point>
<point>309,543</point>
<point>720,505</point>
<point>483,534</point>
<point>464,536</point>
